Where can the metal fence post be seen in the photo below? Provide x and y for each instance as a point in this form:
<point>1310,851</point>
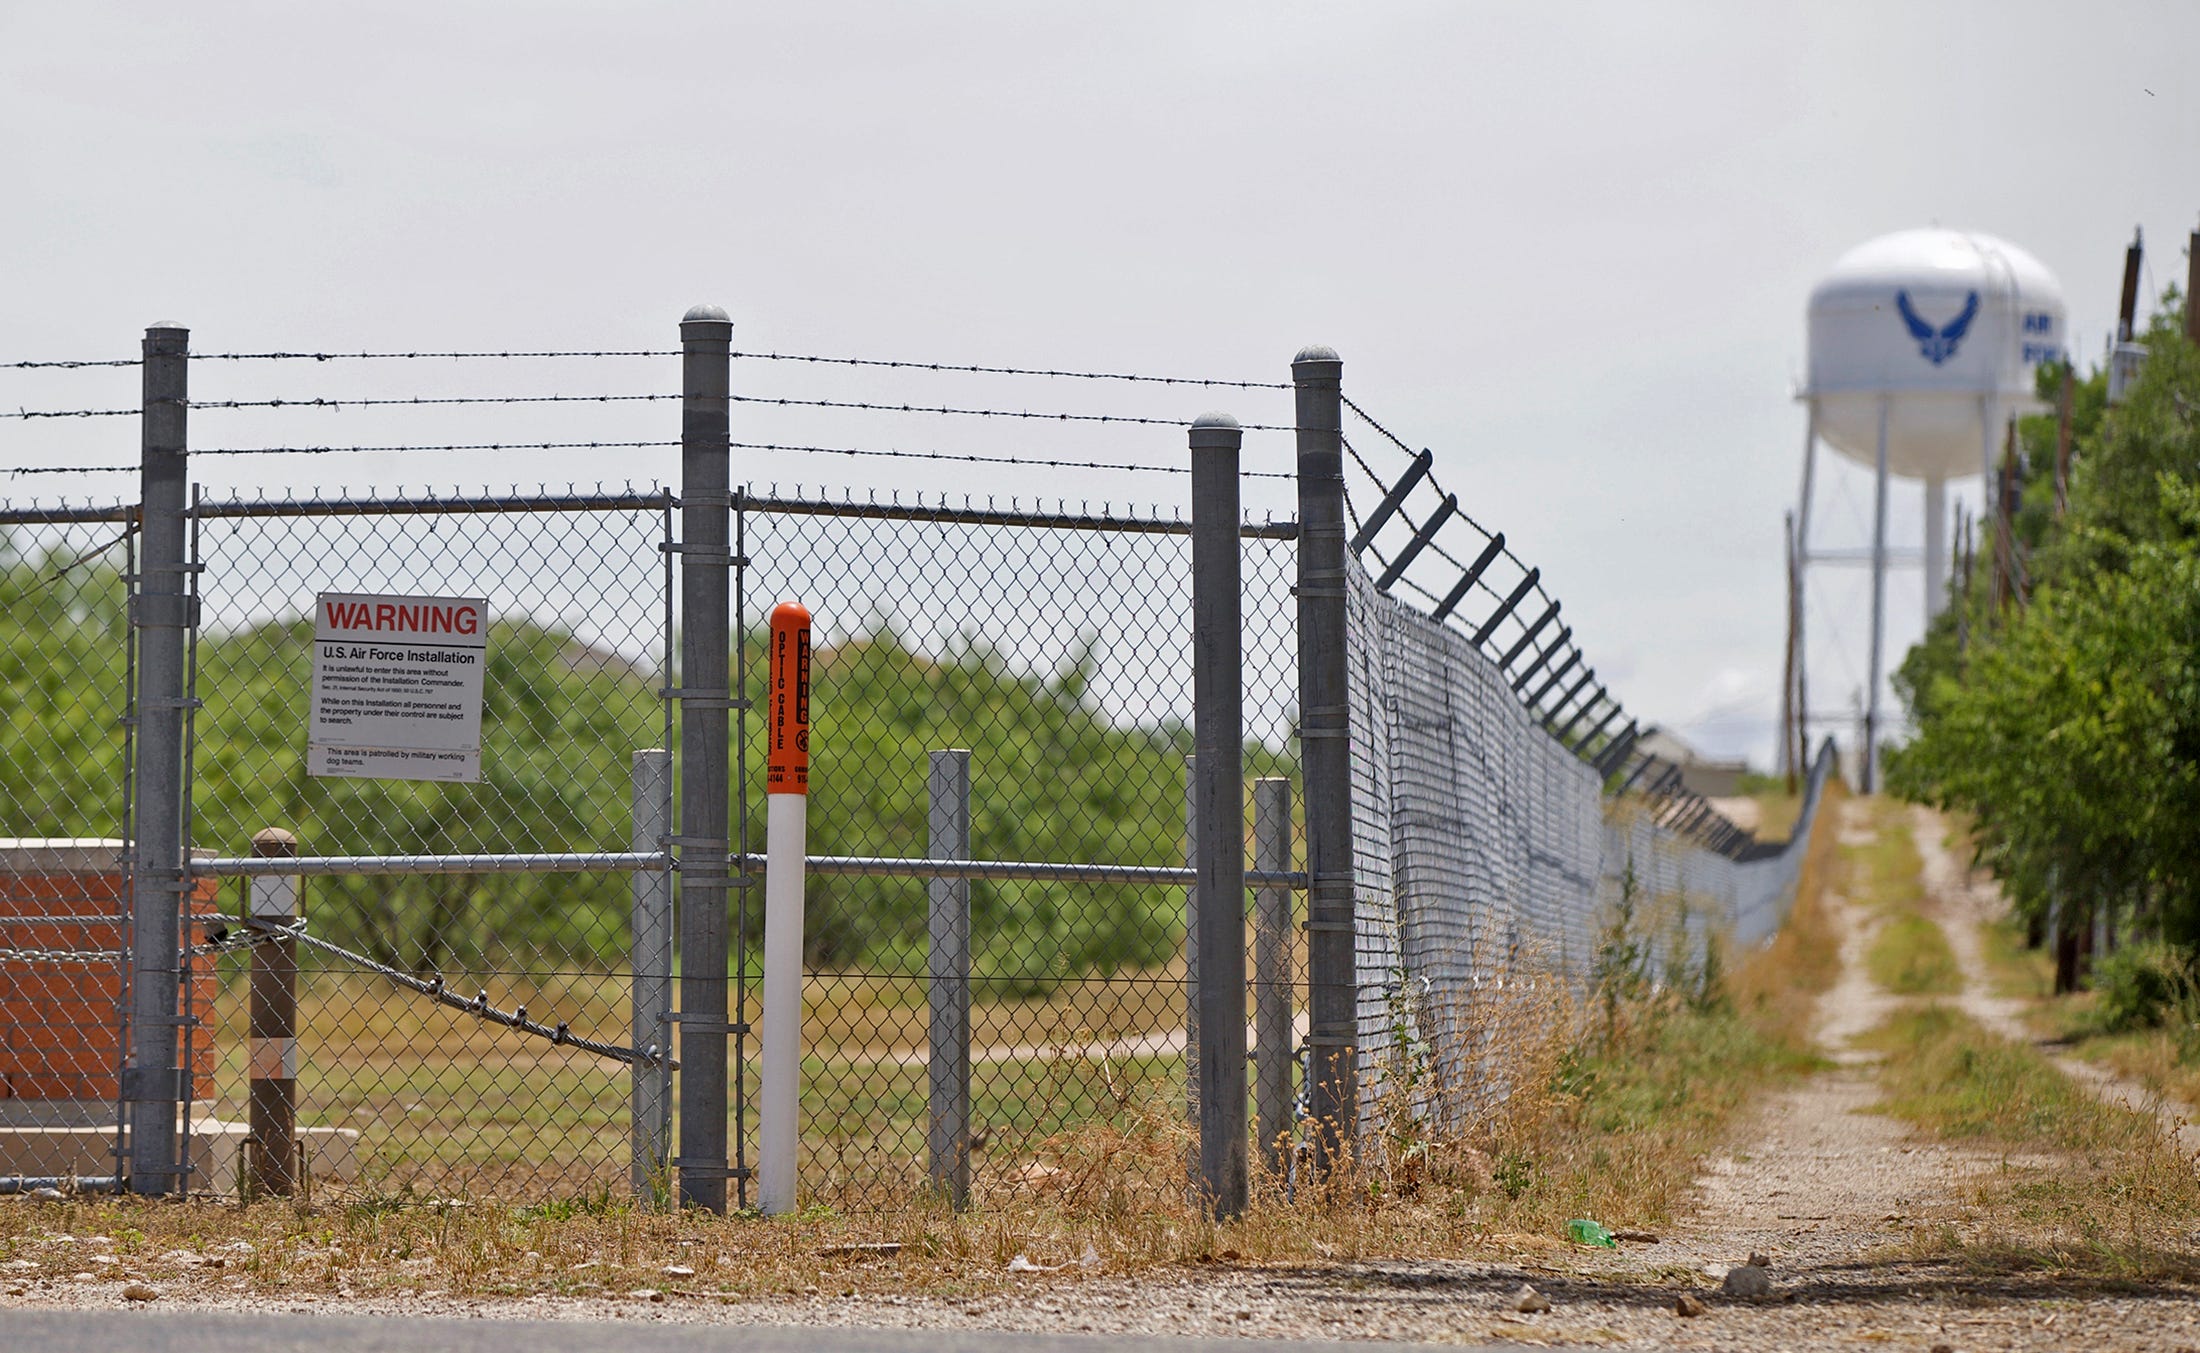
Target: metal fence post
<point>706,341</point>
<point>272,1024</point>
<point>652,996</point>
<point>947,1135</point>
<point>152,1091</point>
<point>1317,376</point>
<point>1218,719</point>
<point>1191,948</point>
<point>1272,973</point>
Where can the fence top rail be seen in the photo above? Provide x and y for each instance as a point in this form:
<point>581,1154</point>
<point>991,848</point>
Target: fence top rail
<point>61,514</point>
<point>431,504</point>
<point>989,513</point>
<point>539,862</point>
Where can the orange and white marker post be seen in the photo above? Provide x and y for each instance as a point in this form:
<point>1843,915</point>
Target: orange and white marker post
<point>787,789</point>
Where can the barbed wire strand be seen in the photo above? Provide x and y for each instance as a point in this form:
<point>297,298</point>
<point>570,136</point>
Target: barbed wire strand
<point>996,413</point>
<point>802,357</point>
<point>878,452</point>
<point>385,401</point>
<point>67,365</point>
<point>516,1018</point>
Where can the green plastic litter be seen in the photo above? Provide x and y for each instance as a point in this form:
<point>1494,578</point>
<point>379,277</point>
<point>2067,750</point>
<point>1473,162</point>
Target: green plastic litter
<point>1582,1231</point>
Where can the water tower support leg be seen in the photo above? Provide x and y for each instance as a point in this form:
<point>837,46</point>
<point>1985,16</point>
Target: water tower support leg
<point>1936,547</point>
<point>1797,577</point>
<point>1870,758</point>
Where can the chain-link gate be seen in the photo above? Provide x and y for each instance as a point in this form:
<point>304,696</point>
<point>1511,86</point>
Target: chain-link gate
<point>957,715</point>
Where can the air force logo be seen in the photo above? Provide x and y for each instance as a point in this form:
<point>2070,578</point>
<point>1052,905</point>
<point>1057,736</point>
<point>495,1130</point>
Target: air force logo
<point>1936,345</point>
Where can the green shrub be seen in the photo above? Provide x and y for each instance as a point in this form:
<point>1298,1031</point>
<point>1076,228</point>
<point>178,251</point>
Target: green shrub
<point>2140,987</point>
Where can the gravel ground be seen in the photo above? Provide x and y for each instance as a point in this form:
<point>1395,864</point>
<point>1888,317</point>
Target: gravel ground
<point>1823,1189</point>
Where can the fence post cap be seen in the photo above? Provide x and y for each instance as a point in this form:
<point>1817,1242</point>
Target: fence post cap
<point>701,313</point>
<point>1316,352</point>
<point>274,842</point>
<point>1214,431</point>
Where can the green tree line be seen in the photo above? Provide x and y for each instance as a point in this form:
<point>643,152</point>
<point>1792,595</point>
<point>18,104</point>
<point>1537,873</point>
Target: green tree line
<point>2066,723</point>
<point>1053,779</point>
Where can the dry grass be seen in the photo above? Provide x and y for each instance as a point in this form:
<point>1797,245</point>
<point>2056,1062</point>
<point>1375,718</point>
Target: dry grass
<point>1569,1119</point>
<point>2083,1185</point>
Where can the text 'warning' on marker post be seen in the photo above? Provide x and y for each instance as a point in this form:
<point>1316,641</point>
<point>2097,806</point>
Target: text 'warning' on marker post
<point>397,687</point>
<point>787,766</point>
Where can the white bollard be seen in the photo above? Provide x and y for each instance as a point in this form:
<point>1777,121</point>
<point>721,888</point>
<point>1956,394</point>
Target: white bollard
<point>787,785</point>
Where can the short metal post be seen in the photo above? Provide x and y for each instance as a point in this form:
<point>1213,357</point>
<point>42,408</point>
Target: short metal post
<point>652,995</point>
<point>706,557</point>
<point>272,1024</point>
<point>1317,376</point>
<point>1218,731</point>
<point>1272,974</point>
<point>947,1135</point>
<point>152,1088</point>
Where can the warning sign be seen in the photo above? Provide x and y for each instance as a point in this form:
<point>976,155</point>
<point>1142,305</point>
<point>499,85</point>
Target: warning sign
<point>397,687</point>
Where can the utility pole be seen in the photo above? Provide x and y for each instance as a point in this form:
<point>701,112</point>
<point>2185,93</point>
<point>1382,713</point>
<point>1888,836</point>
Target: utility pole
<point>2127,311</point>
<point>2192,285</point>
<point>1790,743</point>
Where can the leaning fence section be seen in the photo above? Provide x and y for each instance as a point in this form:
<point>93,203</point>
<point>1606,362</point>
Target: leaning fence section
<point>1490,855</point>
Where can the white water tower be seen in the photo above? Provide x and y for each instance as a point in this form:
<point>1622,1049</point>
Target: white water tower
<point>1922,347</point>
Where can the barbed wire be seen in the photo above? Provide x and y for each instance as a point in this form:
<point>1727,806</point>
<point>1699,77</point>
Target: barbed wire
<point>21,470</point>
<point>446,446</point>
<point>67,366</point>
<point>69,413</point>
<point>426,356</point>
<point>1369,419</point>
<point>386,401</point>
<point>812,358</point>
<point>995,413</point>
<point>888,453</point>
<point>220,940</point>
<point>1011,371</point>
<point>977,459</point>
<point>516,1018</point>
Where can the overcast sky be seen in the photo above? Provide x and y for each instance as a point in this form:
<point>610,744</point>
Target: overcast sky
<point>1567,246</point>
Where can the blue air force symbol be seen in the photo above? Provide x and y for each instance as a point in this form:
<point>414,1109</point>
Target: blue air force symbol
<point>1936,345</point>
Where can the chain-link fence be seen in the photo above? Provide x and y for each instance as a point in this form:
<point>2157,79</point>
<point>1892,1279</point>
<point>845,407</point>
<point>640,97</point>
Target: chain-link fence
<point>470,982</point>
<point>1489,855</point>
<point>65,820</point>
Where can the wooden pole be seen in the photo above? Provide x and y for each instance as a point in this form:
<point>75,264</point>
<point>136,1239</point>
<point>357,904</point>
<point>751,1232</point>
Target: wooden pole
<point>272,1026</point>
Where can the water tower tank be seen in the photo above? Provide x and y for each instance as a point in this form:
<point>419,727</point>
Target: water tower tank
<point>1946,326</point>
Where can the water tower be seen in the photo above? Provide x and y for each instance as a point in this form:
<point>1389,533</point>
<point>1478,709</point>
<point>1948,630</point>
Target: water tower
<point>1922,347</point>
